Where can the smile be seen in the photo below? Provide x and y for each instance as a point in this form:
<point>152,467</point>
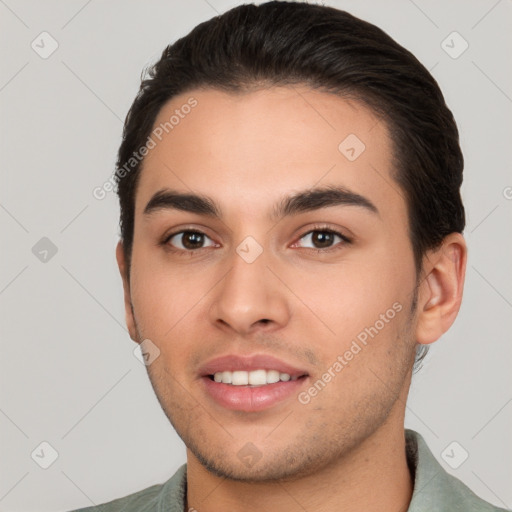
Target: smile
<point>260,377</point>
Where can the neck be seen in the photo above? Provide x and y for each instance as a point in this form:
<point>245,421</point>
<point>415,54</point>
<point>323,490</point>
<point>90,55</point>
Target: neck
<point>373,476</point>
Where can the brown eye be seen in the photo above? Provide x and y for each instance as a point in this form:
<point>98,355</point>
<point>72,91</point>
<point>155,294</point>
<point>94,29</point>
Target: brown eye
<point>189,240</point>
<point>323,238</point>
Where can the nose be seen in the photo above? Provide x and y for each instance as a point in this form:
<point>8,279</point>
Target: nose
<point>250,297</point>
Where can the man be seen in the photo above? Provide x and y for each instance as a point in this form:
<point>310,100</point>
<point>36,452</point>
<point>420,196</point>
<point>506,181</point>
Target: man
<point>291,241</point>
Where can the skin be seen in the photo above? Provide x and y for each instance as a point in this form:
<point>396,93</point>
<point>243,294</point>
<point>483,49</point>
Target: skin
<point>345,449</point>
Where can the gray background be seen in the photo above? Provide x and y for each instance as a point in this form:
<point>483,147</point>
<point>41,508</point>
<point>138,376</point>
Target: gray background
<point>68,373</point>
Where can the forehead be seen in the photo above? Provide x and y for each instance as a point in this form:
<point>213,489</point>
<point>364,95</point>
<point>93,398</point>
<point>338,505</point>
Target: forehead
<point>249,149</point>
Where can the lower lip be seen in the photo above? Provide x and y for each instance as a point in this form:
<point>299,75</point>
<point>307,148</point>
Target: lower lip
<point>251,399</point>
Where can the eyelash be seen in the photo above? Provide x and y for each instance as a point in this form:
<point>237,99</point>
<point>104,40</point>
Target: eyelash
<point>325,229</point>
<point>315,229</point>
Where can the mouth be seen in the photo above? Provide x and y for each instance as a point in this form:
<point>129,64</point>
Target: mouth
<point>253,378</point>
<point>250,383</point>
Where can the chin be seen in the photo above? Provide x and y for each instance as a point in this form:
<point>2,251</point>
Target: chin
<point>286,465</point>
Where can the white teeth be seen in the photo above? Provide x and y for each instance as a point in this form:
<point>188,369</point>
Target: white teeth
<point>253,378</point>
<point>239,378</point>
<point>257,377</point>
<point>272,376</point>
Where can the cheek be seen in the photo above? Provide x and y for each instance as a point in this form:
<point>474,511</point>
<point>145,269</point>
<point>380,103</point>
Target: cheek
<point>163,295</point>
<point>366,308</point>
<point>166,309</point>
<point>351,296</point>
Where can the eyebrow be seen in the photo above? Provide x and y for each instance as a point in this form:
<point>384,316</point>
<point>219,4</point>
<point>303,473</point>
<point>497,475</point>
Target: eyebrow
<point>294,204</point>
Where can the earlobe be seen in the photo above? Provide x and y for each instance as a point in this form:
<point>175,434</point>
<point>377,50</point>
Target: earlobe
<point>123,270</point>
<point>441,291</point>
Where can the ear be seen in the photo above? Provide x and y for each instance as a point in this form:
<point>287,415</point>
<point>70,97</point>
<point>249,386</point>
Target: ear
<point>440,293</point>
<point>123,269</point>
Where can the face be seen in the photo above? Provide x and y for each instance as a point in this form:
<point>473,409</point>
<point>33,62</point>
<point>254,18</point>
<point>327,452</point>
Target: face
<point>279,299</point>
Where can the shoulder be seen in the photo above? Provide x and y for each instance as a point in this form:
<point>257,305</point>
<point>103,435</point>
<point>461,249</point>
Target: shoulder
<point>435,488</point>
<point>168,497</point>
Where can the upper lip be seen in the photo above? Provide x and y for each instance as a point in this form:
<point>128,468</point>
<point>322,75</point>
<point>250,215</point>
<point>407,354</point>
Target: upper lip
<point>234,362</point>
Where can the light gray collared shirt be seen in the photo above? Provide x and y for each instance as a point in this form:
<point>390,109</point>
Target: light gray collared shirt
<point>434,489</point>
